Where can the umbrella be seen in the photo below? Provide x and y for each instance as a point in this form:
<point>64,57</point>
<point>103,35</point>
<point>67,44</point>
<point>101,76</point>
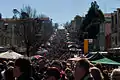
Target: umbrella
<point>42,51</point>
<point>73,46</point>
<point>10,55</point>
<point>106,61</point>
<point>74,59</point>
<point>37,56</point>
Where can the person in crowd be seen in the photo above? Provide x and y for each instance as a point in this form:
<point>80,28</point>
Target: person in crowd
<point>22,69</point>
<point>5,68</point>
<point>64,65</point>
<point>59,65</point>
<point>115,75</point>
<point>35,73</point>
<point>106,75</point>
<point>91,65</point>
<point>42,68</point>
<point>1,69</point>
<point>96,73</point>
<point>10,63</point>
<point>98,65</point>
<point>82,71</point>
<point>52,73</point>
<point>102,69</point>
<point>69,74</point>
<point>9,74</point>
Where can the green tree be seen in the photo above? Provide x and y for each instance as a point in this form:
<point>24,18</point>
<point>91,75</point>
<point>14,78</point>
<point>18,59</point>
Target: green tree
<point>92,20</point>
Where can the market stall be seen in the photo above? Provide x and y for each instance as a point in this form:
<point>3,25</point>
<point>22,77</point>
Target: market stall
<point>106,61</point>
<point>10,55</point>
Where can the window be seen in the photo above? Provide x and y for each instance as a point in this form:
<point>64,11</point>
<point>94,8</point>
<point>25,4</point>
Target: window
<point>116,40</point>
<point>119,36</point>
<point>102,28</point>
<point>5,26</point>
<point>112,18</point>
<point>115,18</point>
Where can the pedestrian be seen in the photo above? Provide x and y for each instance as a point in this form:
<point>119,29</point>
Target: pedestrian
<point>82,70</point>
<point>22,69</point>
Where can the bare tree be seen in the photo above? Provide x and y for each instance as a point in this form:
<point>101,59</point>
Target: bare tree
<point>31,27</point>
<point>35,32</point>
<point>31,12</point>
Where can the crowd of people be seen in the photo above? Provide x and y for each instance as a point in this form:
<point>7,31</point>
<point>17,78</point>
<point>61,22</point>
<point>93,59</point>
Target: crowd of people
<point>45,69</point>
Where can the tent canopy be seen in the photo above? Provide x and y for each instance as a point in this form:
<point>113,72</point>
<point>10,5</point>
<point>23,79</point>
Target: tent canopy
<point>36,57</point>
<point>3,49</point>
<point>73,46</point>
<point>96,57</point>
<point>106,61</point>
<point>74,59</point>
<point>89,55</point>
<point>10,55</point>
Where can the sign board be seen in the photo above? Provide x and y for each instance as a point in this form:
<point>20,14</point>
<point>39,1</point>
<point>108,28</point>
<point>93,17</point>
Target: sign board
<point>90,40</point>
<point>86,46</point>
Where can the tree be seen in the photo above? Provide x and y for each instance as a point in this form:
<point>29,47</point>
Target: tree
<point>92,20</point>
<point>31,31</point>
<point>15,12</point>
<point>56,25</point>
<point>0,16</point>
<point>31,12</point>
<point>77,17</point>
<point>67,25</point>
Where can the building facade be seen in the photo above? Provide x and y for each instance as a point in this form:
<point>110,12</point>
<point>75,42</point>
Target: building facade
<point>12,31</point>
<point>9,32</point>
<point>74,28</point>
<point>115,29</point>
<point>103,38</point>
<point>107,25</point>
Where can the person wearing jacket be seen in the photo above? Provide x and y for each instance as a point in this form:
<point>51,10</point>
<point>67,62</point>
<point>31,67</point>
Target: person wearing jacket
<point>22,69</point>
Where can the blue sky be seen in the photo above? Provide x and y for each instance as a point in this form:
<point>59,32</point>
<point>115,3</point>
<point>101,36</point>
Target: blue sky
<point>59,10</point>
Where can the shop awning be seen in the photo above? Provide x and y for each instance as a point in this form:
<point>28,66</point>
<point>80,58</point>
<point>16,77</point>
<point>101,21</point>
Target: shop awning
<point>106,61</point>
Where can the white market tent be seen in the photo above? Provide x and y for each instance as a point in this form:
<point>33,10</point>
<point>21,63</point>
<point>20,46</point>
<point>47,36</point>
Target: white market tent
<point>10,55</point>
<point>74,59</point>
<point>114,48</point>
<point>73,49</point>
